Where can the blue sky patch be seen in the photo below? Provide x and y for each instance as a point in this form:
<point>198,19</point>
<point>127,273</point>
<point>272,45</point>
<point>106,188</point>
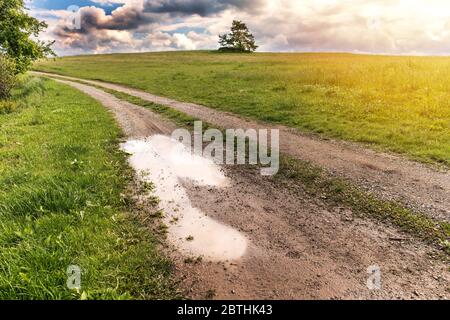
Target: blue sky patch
<point>64,4</point>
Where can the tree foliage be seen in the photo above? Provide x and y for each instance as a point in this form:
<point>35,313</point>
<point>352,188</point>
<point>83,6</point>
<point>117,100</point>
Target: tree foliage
<point>7,76</point>
<point>239,39</point>
<point>18,35</point>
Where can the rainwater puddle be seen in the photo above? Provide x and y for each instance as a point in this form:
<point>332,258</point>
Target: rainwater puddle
<point>165,162</point>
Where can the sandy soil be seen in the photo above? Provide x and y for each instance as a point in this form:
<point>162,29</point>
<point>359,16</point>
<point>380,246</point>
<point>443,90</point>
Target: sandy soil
<point>298,247</point>
<point>390,177</point>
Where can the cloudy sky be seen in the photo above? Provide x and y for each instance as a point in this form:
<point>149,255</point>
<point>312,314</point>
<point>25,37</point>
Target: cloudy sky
<point>419,27</point>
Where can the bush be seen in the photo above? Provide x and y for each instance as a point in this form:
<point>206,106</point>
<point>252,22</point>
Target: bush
<point>8,76</point>
<point>7,107</point>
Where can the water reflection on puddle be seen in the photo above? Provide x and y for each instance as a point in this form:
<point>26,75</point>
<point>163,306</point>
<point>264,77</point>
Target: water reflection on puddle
<point>164,161</point>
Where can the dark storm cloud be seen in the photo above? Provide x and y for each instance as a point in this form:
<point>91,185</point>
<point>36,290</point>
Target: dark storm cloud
<point>199,7</point>
<point>125,18</point>
<point>133,15</point>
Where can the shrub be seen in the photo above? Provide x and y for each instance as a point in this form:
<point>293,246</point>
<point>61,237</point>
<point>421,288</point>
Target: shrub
<point>8,76</point>
<point>7,107</point>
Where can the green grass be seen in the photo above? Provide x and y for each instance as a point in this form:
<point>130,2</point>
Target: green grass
<point>304,177</point>
<point>64,201</point>
<point>175,116</point>
<point>399,104</point>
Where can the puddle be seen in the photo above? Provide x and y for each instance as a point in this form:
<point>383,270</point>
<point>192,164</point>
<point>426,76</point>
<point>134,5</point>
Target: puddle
<point>164,161</point>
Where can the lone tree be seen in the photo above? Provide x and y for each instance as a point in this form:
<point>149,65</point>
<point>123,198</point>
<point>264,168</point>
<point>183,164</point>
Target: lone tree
<point>238,40</point>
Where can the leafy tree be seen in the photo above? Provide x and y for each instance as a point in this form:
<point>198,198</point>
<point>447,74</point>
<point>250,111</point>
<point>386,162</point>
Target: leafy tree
<point>18,35</point>
<point>239,39</point>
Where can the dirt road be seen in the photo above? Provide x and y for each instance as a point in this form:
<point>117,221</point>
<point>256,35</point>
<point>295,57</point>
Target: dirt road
<point>298,248</point>
<point>390,177</point>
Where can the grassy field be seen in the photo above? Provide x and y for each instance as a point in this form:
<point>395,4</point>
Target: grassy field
<point>400,104</point>
<point>63,202</point>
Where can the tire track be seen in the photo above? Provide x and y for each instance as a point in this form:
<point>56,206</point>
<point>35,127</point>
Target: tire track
<point>388,176</point>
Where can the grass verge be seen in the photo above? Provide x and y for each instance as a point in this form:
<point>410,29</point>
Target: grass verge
<point>63,202</point>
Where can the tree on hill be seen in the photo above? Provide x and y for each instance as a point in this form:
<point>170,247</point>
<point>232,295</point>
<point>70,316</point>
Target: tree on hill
<point>238,40</point>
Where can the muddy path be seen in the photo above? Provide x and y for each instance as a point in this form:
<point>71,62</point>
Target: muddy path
<point>390,177</point>
<point>297,247</point>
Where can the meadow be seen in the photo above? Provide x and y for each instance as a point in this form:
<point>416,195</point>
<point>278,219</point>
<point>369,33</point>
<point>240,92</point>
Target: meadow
<point>398,104</point>
<point>64,201</point>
